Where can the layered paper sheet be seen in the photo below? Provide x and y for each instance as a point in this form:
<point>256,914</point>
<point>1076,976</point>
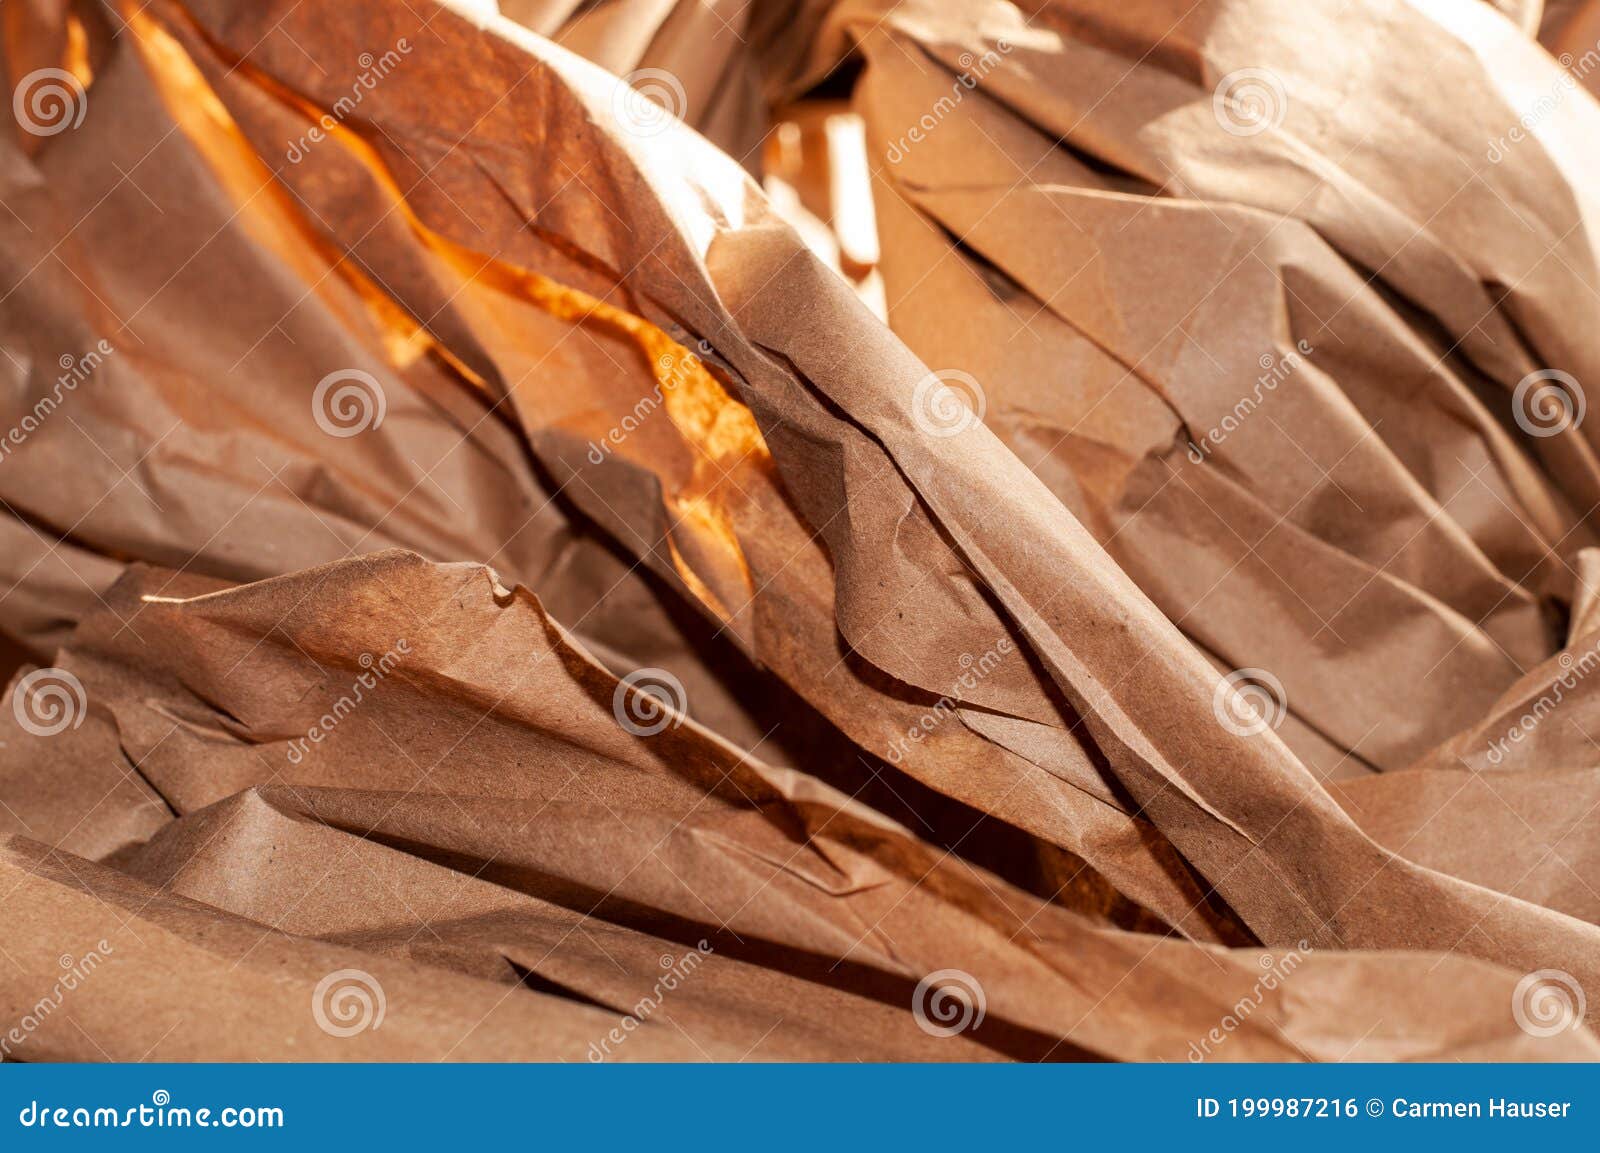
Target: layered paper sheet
<point>1103,568</point>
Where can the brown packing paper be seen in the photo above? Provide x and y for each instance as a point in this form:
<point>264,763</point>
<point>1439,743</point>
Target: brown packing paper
<point>1283,575</point>
<point>763,865</point>
<point>862,613</point>
<point>939,729</point>
<point>794,557</point>
<point>195,967</point>
<point>1109,405</point>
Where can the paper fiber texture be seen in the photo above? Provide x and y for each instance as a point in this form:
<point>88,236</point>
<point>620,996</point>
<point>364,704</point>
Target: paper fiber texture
<point>493,592</point>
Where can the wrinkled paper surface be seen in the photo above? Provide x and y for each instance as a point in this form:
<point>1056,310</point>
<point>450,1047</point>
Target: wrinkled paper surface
<point>490,590</point>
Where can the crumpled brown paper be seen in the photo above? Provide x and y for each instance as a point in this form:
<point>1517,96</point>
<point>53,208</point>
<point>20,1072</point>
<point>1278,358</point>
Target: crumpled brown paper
<point>919,748</point>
